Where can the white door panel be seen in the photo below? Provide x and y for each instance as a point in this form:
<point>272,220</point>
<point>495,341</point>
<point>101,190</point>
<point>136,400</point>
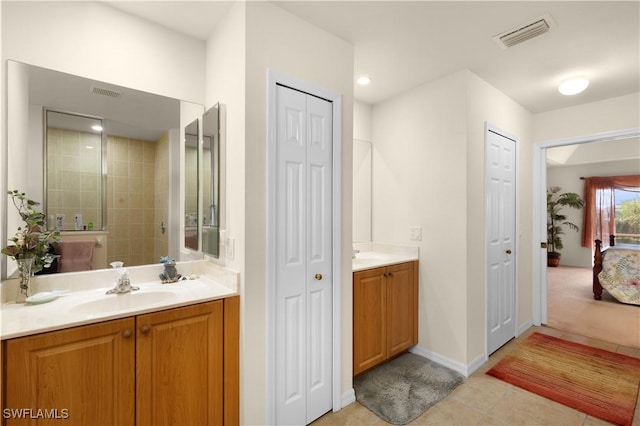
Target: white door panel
<point>501,213</point>
<point>303,257</point>
<point>319,264</point>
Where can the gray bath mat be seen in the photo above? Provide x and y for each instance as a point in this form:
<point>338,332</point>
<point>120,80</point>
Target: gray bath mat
<point>402,389</point>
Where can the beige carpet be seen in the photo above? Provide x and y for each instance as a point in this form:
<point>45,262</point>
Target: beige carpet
<point>571,307</point>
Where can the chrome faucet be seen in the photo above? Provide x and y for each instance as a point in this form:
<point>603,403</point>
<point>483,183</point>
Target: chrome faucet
<point>123,285</point>
<point>354,252</point>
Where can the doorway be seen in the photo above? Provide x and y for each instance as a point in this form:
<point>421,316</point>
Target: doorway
<point>304,238</point>
<point>539,211</point>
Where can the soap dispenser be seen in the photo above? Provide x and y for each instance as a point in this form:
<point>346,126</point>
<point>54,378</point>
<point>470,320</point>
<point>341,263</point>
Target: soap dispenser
<point>123,283</point>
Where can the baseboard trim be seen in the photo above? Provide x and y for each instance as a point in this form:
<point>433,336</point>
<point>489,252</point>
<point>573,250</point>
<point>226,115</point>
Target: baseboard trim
<point>524,327</point>
<point>349,397</point>
<point>465,370</point>
<point>475,364</point>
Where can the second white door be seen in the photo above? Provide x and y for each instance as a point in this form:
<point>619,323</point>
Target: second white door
<point>501,214</point>
<point>303,257</point>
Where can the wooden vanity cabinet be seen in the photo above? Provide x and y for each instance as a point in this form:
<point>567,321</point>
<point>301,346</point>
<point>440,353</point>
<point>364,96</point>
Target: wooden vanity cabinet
<point>385,314</point>
<point>179,356</point>
<point>178,366</point>
<point>86,374</point>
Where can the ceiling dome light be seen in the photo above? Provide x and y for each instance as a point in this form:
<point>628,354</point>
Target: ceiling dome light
<point>97,127</point>
<point>573,86</point>
<point>364,80</point>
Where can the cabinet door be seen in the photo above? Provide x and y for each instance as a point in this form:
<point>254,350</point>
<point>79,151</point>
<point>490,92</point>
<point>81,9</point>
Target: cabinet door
<point>400,303</point>
<point>369,313</point>
<point>231,384</point>
<point>85,374</point>
<point>179,375</point>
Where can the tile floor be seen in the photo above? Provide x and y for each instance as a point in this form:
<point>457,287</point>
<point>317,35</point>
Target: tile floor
<point>485,400</point>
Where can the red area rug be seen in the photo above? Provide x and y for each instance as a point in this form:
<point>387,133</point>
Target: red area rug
<point>599,383</point>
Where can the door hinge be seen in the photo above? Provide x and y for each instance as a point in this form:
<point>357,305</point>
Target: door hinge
<point>543,245</point>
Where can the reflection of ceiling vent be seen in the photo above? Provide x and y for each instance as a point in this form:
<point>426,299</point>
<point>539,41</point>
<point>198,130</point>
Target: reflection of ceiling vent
<point>525,32</point>
<point>105,92</point>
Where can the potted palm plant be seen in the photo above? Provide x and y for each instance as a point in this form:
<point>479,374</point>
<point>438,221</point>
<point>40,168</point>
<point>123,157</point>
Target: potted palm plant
<point>556,220</point>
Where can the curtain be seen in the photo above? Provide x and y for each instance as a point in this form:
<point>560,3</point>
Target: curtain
<point>599,206</point>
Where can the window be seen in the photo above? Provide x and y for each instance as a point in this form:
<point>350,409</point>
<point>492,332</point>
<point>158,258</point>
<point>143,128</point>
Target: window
<point>627,215</point>
<point>610,201</point>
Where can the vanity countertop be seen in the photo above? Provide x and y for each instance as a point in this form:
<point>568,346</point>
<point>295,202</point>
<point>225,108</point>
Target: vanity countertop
<point>376,255</point>
<point>88,304</point>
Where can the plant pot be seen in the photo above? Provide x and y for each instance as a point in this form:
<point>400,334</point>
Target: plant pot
<point>553,259</point>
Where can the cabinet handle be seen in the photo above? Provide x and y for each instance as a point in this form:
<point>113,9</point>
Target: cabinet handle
<point>127,333</point>
<point>390,274</point>
<point>145,329</point>
<point>318,277</point>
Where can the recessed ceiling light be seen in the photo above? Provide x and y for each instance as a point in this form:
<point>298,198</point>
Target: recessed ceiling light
<point>364,80</point>
<point>573,86</point>
<point>97,127</point>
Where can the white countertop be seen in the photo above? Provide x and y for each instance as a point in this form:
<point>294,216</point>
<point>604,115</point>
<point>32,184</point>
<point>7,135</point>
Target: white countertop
<point>88,304</point>
<point>376,255</point>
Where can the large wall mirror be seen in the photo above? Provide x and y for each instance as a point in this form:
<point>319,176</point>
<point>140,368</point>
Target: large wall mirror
<point>211,148</point>
<point>129,194</point>
<point>203,152</point>
<point>191,185</point>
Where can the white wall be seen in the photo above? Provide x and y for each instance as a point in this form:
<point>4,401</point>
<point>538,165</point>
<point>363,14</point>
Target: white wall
<point>3,147</point>
<point>429,172</point>
<point>617,113</point>
<point>225,83</point>
<point>93,40</point>
<point>568,178</point>
<point>362,121</point>
<point>362,172</point>
<point>420,179</point>
<point>281,42</point>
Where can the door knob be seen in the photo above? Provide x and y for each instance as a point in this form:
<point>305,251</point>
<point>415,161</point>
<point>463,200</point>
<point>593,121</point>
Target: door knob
<point>318,277</point>
<point>508,251</point>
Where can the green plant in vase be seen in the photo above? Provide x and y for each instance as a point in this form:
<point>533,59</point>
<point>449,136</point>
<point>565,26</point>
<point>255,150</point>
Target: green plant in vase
<point>556,220</point>
<point>31,246</point>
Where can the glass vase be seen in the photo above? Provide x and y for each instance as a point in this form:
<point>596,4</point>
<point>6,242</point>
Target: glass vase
<point>25,268</point>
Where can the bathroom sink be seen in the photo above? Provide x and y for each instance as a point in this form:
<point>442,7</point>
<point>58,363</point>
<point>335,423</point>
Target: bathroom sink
<point>124,301</point>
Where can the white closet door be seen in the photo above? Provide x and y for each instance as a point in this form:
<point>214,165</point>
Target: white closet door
<point>501,214</point>
<point>303,257</point>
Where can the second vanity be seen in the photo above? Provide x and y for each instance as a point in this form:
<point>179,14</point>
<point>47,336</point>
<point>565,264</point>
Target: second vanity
<point>164,354</point>
<point>385,303</point>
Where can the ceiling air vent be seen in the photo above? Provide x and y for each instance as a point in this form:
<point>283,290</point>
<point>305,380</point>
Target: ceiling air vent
<point>105,92</point>
<point>525,32</point>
